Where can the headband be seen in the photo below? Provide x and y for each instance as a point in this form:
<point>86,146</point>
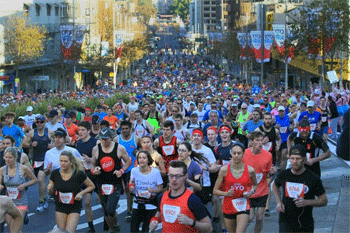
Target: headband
<point>88,108</point>
<point>225,128</point>
<point>212,128</point>
<point>198,131</point>
<point>304,129</point>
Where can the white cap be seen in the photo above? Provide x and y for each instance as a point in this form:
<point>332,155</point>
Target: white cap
<point>256,105</point>
<point>281,108</point>
<point>310,103</point>
<point>21,117</point>
<point>29,109</point>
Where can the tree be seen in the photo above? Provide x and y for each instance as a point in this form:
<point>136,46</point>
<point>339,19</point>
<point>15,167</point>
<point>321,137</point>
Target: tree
<point>181,8</point>
<point>146,10</point>
<point>322,29</point>
<point>25,41</point>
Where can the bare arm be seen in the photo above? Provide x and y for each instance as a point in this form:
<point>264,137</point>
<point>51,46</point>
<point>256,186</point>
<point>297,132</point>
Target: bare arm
<point>25,161</point>
<point>27,139</point>
<point>89,187</point>
<point>124,155</point>
<point>28,173</point>
<point>219,180</point>
<point>277,194</point>
<point>17,218</point>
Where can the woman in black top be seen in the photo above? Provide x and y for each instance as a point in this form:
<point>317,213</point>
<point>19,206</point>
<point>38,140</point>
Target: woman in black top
<point>65,184</point>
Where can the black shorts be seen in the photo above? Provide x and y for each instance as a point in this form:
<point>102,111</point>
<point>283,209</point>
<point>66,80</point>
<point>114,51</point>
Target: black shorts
<point>258,202</point>
<point>233,216</point>
<point>68,209</point>
<point>205,195</point>
<point>126,178</point>
<point>283,146</point>
<point>293,225</point>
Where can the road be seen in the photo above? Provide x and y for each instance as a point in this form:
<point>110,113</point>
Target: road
<point>332,171</point>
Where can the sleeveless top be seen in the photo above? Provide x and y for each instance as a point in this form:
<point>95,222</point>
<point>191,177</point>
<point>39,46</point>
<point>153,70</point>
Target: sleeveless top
<point>141,129</point>
<point>271,145</point>
<point>237,203</point>
<point>171,207</point>
<point>109,162</point>
<point>324,117</point>
<point>43,146</point>
<point>19,198</point>
<point>130,146</point>
<point>168,151</point>
<point>223,153</point>
<point>284,129</point>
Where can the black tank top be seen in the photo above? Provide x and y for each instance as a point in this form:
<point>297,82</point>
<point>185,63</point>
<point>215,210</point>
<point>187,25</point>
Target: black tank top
<point>109,162</point>
<point>272,138</point>
<point>43,145</point>
<point>324,117</point>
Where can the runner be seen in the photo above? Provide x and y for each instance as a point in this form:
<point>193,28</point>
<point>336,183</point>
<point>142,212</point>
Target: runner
<point>64,185</point>
<point>85,145</point>
<point>261,161</point>
<point>140,126</point>
<point>236,191</point>
<point>300,186</point>
<point>113,120</point>
<point>96,128</point>
<point>145,184</point>
<point>312,116</point>
<point>71,128</point>
<point>129,141</point>
<point>53,123</point>
<point>179,209</point>
<point>325,113</point>
<point>12,129</point>
<point>106,164</point>
<point>16,178</point>
<point>181,132</point>
<point>7,208</point>
<point>158,162</point>
<point>40,140</point>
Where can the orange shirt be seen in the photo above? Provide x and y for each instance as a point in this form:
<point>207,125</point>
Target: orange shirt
<point>73,130</point>
<point>262,164</point>
<point>112,120</point>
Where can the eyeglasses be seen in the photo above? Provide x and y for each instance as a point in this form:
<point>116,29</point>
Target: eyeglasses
<point>40,122</point>
<point>177,177</point>
<point>182,151</point>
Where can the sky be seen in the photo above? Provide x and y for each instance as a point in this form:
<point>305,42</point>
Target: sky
<point>11,6</point>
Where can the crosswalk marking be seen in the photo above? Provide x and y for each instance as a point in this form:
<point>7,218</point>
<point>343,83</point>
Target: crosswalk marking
<point>334,172</point>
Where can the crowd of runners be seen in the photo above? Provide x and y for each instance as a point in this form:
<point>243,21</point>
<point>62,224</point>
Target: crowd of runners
<point>190,136</point>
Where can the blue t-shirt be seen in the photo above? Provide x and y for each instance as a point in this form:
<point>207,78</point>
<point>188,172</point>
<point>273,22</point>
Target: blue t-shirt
<point>313,118</point>
<point>250,126</point>
<point>193,170</point>
<point>15,132</point>
<point>101,115</point>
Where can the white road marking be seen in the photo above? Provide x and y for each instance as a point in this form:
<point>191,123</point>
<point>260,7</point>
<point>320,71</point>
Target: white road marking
<point>323,230</point>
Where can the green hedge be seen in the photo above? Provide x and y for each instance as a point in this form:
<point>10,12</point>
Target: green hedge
<point>41,107</point>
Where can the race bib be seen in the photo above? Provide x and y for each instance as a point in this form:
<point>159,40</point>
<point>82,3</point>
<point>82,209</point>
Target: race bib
<point>283,129</point>
<point>267,146</point>
<point>324,119</point>
<point>170,213</point>
<point>240,204</point>
<point>13,193</point>
<point>313,126</point>
<point>168,150</point>
<point>66,198</point>
<point>144,194</point>
<point>38,164</point>
<point>259,177</point>
<point>107,189</point>
<point>294,190</point>
<point>225,162</point>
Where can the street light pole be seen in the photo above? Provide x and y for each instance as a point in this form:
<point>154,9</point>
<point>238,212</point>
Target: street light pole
<point>285,49</point>
<point>262,45</point>
<point>114,63</point>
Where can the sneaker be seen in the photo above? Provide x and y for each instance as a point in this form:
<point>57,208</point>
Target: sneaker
<point>267,213</point>
<point>91,230</point>
<point>40,207</point>
<point>128,216</point>
<point>26,219</point>
<point>46,204</point>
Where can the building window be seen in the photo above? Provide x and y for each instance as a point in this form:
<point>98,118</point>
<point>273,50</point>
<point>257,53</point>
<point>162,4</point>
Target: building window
<point>26,8</point>
<point>206,9</point>
<point>213,2</point>
<point>57,10</point>
<point>213,15</point>
<point>206,3</point>
<point>206,15</point>
<point>37,9</point>
<point>48,9</point>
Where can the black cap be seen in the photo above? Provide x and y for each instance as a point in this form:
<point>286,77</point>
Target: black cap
<point>60,132</point>
<point>298,150</point>
<point>70,115</point>
<point>105,133</point>
<point>95,119</point>
<point>53,113</point>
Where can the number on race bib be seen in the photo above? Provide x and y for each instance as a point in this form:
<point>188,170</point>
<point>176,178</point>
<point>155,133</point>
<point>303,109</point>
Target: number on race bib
<point>66,198</point>
<point>225,162</point>
<point>107,189</point>
<point>38,164</point>
<point>268,146</point>
<point>170,213</point>
<point>144,194</point>
<point>313,126</point>
<point>324,119</point>
<point>13,193</point>
<point>240,204</point>
<point>283,129</point>
<point>168,150</point>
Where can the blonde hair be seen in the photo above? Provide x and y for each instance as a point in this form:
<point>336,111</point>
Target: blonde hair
<point>12,150</point>
<point>76,163</point>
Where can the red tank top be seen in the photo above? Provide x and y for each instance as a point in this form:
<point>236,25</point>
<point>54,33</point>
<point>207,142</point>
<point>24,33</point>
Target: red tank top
<point>168,151</point>
<point>170,208</point>
<point>236,203</point>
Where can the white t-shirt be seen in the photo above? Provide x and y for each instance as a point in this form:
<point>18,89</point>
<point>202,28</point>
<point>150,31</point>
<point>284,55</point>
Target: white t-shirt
<point>53,156</point>
<point>181,134</point>
<point>143,182</point>
<point>207,153</point>
<point>29,120</point>
<point>133,107</point>
<point>56,126</point>
<point>200,114</point>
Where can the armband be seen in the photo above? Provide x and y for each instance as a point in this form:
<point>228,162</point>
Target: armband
<point>131,185</point>
<point>155,218</point>
<point>122,171</point>
<point>92,172</point>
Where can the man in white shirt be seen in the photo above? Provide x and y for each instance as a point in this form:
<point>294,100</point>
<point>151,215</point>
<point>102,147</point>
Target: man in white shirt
<point>30,117</point>
<point>200,111</point>
<point>53,123</point>
<point>52,156</point>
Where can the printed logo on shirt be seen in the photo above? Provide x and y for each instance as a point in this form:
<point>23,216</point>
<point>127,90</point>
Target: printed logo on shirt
<point>308,146</point>
<point>295,190</point>
<point>170,213</point>
<point>107,164</point>
<point>268,146</point>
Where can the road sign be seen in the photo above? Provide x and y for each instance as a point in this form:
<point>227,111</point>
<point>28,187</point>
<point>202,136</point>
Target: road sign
<point>332,76</point>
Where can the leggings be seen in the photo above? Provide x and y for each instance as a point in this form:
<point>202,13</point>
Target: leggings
<point>139,216</point>
<point>110,202</point>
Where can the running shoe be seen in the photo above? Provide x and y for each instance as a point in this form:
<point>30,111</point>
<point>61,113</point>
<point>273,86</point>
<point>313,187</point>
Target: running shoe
<point>92,230</point>
<point>40,207</point>
<point>26,219</point>
<point>128,216</point>
<point>46,204</point>
<point>267,213</point>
